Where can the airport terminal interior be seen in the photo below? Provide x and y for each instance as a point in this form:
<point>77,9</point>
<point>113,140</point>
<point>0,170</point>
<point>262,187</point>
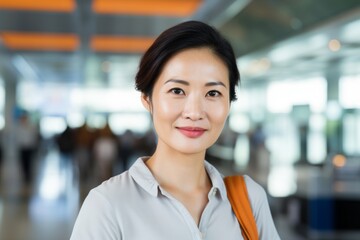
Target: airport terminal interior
<point>71,118</point>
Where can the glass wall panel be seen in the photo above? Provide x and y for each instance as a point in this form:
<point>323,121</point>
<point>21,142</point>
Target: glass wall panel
<point>2,104</point>
<point>351,133</point>
<point>349,88</point>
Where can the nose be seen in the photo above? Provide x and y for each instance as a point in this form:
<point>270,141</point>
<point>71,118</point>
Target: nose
<point>194,108</point>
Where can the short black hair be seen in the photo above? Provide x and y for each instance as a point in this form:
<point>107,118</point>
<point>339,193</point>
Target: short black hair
<point>186,35</point>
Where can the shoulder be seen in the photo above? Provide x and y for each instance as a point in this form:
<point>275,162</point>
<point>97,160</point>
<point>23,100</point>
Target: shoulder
<point>256,193</point>
<point>261,209</point>
<point>253,187</point>
<point>116,183</point>
<point>98,217</point>
<point>107,199</point>
<point>115,187</point>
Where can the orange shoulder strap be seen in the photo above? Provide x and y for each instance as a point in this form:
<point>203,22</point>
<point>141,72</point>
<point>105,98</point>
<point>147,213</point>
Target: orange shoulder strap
<point>238,197</point>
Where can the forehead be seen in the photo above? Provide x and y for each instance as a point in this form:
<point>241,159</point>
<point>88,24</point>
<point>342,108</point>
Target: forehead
<point>194,62</point>
<point>193,53</point>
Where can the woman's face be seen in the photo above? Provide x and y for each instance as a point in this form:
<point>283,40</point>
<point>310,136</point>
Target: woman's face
<point>190,101</point>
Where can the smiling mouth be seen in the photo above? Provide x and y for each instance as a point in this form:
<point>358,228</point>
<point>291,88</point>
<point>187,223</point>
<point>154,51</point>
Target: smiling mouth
<point>192,132</point>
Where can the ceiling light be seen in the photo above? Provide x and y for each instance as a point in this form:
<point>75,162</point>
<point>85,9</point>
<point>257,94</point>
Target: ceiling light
<point>40,41</point>
<point>39,5</point>
<point>334,45</point>
<point>126,44</point>
<point>339,160</point>
<point>175,8</point>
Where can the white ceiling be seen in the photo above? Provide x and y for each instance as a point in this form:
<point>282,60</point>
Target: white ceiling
<point>303,53</point>
<point>322,49</point>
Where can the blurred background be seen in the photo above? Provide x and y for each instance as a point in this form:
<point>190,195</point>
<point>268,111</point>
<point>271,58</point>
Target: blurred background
<point>70,117</point>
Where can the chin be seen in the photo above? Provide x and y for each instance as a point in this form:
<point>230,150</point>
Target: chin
<point>191,149</point>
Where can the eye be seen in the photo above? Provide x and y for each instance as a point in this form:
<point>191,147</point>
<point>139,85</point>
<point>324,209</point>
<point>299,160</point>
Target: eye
<point>177,91</point>
<point>213,93</point>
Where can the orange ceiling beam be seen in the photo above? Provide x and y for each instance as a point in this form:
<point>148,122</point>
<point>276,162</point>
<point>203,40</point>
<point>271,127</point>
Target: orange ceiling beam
<point>40,41</point>
<point>120,44</point>
<point>39,5</point>
<point>171,8</point>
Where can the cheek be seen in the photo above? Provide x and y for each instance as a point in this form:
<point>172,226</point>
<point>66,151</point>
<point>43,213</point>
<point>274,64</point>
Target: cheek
<point>164,109</point>
<point>220,114</point>
<point>221,118</point>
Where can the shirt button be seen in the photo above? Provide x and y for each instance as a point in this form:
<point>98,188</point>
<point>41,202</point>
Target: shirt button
<point>214,192</point>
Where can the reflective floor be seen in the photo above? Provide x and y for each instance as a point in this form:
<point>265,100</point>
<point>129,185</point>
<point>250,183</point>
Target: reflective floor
<point>47,209</point>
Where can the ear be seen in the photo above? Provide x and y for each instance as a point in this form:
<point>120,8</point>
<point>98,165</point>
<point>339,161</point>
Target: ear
<point>145,100</point>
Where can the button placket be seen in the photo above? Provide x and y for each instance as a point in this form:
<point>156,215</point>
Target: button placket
<point>194,229</point>
<point>206,213</point>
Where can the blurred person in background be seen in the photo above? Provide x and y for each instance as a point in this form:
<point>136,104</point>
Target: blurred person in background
<point>84,138</point>
<point>187,79</point>
<point>66,142</point>
<point>1,151</point>
<point>259,163</point>
<point>126,148</point>
<point>146,144</point>
<point>27,138</point>
<point>105,153</point>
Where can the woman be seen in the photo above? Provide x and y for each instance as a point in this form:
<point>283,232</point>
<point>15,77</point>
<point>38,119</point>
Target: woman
<point>187,79</point>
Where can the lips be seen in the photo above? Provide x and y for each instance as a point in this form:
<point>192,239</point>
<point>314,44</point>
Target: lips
<point>192,132</point>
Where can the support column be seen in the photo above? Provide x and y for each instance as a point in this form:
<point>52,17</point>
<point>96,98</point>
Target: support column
<point>334,134</point>
<point>9,144</point>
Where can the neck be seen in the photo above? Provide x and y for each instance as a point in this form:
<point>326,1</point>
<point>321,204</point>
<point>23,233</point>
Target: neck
<point>178,170</point>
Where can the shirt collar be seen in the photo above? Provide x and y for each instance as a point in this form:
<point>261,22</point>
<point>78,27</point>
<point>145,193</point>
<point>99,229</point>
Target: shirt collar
<point>143,176</point>
<point>217,180</point>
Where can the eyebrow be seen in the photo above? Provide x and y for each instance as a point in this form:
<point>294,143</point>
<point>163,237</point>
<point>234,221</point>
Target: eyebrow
<point>215,83</point>
<point>178,81</point>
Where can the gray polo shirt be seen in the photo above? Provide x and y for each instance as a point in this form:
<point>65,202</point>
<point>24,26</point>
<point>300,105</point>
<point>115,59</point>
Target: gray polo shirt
<point>132,206</point>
